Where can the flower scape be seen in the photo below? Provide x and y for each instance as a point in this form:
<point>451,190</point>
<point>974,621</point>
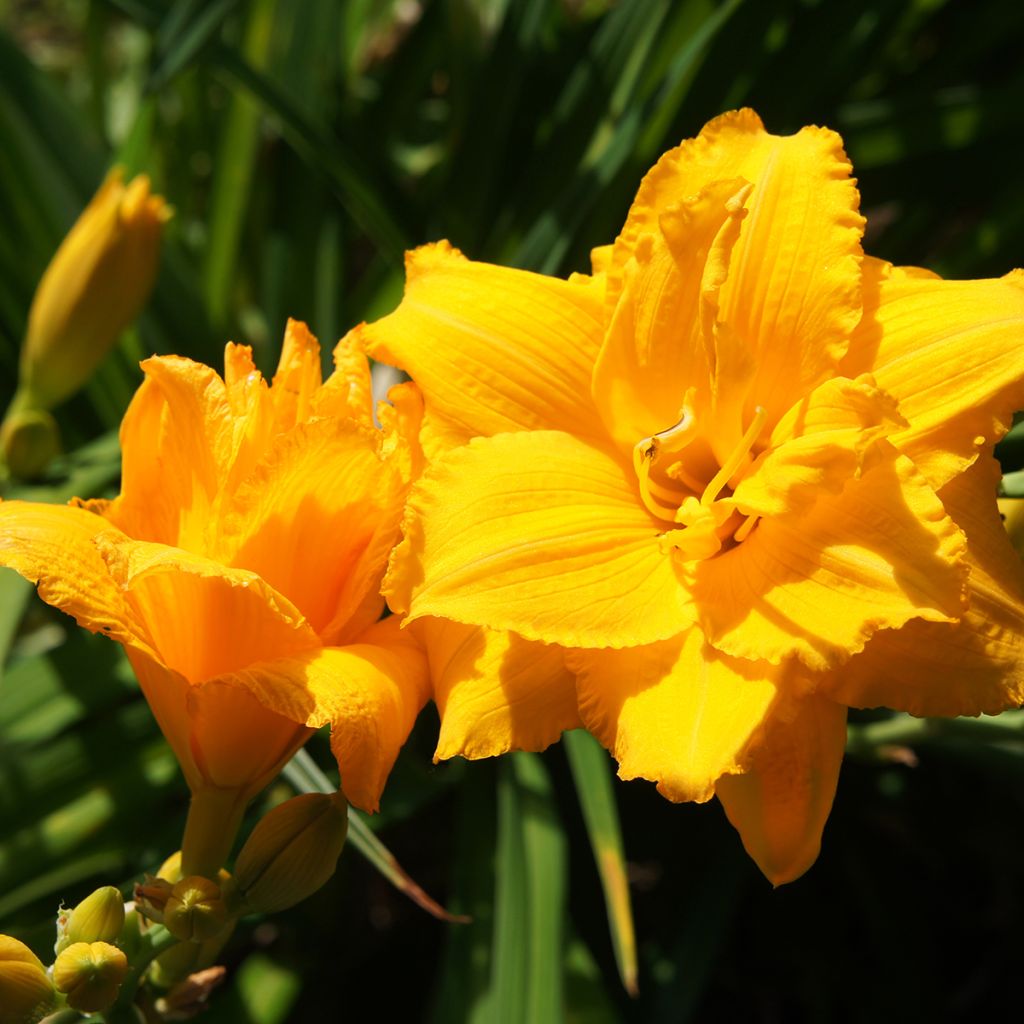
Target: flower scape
<point>741,476</point>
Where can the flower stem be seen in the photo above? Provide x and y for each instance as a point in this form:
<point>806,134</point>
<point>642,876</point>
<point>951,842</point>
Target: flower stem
<point>214,817</point>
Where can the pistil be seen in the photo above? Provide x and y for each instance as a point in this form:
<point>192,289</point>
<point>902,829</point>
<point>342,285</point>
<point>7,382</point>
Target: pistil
<point>735,460</point>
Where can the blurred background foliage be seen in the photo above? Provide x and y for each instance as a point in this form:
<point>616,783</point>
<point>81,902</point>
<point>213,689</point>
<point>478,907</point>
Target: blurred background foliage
<point>304,146</point>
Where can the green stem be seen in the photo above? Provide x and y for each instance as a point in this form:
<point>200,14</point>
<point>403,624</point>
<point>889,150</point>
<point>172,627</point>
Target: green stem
<point>214,817</point>
<point>154,941</point>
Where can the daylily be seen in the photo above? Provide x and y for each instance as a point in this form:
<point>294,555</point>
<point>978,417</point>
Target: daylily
<point>742,473</point>
<point>240,567</point>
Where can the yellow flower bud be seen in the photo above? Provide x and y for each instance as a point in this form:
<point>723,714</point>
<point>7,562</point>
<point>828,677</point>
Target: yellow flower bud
<point>26,993</point>
<point>98,918</point>
<point>292,851</point>
<point>1012,511</point>
<point>95,285</point>
<point>195,911</point>
<point>90,975</point>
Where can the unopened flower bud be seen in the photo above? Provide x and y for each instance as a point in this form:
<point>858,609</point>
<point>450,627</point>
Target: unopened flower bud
<point>30,440</point>
<point>95,285</point>
<point>292,852</point>
<point>195,910</point>
<point>26,993</point>
<point>90,975</point>
<point>98,918</point>
<point>1012,511</point>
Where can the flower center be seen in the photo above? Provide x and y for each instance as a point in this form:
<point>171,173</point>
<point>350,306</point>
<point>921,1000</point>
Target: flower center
<point>669,488</point>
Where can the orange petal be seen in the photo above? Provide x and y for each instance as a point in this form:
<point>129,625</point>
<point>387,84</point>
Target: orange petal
<point>494,349</point>
<point>316,521</point>
<point>177,444</point>
<point>54,546</point>
<point>370,692</point>
<point>495,691</point>
<point>297,378</point>
<point>949,351</point>
<point>972,667</point>
<point>780,805</point>
<point>542,534</point>
<point>221,734</point>
<point>677,712</point>
<point>875,556</point>
<point>204,619</point>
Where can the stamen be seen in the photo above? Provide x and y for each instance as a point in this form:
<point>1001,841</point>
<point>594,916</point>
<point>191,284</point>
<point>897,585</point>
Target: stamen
<point>644,455</point>
<point>722,477</point>
<point>743,531</point>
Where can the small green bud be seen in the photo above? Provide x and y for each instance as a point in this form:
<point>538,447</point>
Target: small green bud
<point>292,851</point>
<point>90,975</point>
<point>30,441</point>
<point>98,918</point>
<point>195,911</point>
<point>26,993</point>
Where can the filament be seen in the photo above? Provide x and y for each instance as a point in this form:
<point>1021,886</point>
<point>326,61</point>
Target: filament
<point>731,464</point>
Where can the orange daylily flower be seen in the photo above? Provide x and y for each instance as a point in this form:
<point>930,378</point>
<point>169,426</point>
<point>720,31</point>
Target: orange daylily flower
<point>742,472</point>
<point>241,564</point>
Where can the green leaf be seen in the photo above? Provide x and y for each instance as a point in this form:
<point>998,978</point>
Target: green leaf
<point>590,766</point>
<point>529,914</point>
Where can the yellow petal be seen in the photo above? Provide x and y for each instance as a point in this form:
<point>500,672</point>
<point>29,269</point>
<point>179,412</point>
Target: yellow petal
<point>793,289</point>
<point>818,446</point>
<point>204,619</point>
<point>655,347</point>
<point>54,547</point>
<point>316,520</point>
<point>542,534</point>
<point>875,556</point>
<point>949,351</point>
<point>348,392</point>
<point>779,807</point>
<point>677,712</point>
<point>494,349</point>
<point>972,667</point>
<point>495,691</point>
<point>370,692</point>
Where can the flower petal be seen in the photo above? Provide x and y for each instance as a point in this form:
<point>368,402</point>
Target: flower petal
<point>322,488</point>
<point>495,691</point>
<point>780,805</point>
<point>654,348</point>
<point>177,443</point>
<point>818,446</point>
<point>370,692</point>
<point>494,349</point>
<point>297,379</point>
<point>793,288</point>
<point>880,553</point>
<point>949,351</point>
<point>222,735</point>
<point>542,534</point>
<point>54,547</point>
<point>972,667</point>
<point>204,619</point>
<point>677,712</point>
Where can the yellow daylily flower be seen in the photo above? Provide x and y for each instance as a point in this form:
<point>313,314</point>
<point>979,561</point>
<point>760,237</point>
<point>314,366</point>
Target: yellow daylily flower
<point>743,471</point>
<point>240,567</point>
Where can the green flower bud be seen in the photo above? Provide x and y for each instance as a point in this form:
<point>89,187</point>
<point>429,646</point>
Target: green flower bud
<point>26,993</point>
<point>30,441</point>
<point>90,975</point>
<point>292,852</point>
<point>195,911</point>
<point>98,918</point>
